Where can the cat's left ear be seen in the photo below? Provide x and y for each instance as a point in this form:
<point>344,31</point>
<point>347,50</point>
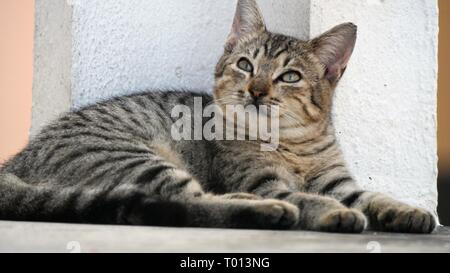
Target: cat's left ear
<point>334,49</point>
<point>247,20</point>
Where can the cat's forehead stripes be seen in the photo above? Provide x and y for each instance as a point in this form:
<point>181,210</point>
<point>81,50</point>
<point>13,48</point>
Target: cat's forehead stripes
<point>281,51</point>
<point>256,53</point>
<point>275,48</point>
<point>287,61</point>
<point>277,44</point>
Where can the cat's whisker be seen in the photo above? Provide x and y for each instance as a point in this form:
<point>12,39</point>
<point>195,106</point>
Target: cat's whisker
<point>290,116</point>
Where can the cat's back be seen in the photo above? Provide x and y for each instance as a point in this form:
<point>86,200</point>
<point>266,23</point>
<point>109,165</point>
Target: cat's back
<point>117,129</point>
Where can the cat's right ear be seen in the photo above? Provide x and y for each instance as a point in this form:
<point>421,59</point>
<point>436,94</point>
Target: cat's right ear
<point>247,20</point>
<point>334,49</point>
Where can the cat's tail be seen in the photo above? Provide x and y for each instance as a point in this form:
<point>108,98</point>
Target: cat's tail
<point>21,201</point>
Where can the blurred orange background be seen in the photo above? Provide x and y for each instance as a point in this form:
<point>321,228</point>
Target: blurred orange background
<point>444,87</point>
<point>16,73</point>
<point>16,69</point>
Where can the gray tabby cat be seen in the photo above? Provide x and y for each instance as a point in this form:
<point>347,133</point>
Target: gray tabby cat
<point>115,162</point>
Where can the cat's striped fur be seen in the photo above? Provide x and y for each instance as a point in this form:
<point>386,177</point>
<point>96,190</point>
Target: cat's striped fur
<point>115,162</point>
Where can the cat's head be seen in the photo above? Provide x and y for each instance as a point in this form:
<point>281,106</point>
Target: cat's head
<point>262,68</point>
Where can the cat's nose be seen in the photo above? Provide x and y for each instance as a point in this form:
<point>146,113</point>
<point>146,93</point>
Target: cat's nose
<point>258,89</point>
<point>258,94</point>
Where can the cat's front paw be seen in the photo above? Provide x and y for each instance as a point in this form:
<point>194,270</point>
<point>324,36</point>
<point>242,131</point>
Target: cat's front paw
<point>342,221</point>
<point>277,214</point>
<point>404,219</point>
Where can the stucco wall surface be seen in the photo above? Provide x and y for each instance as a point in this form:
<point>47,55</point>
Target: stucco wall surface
<point>125,46</point>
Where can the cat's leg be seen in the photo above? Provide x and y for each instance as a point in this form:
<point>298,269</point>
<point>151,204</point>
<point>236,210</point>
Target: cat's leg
<point>176,186</point>
<point>242,195</point>
<point>317,213</point>
<point>212,211</point>
<point>384,213</point>
<point>131,203</point>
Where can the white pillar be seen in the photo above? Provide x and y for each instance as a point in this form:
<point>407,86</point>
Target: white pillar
<point>52,61</point>
<point>385,110</point>
<point>89,50</point>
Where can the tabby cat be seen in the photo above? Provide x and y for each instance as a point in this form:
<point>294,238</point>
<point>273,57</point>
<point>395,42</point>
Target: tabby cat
<point>115,162</point>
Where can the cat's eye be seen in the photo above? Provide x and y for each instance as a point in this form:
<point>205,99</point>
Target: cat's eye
<point>245,65</point>
<point>291,77</point>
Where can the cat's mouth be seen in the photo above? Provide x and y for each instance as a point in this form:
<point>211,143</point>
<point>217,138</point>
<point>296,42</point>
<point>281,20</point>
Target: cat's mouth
<point>257,102</point>
<point>261,105</point>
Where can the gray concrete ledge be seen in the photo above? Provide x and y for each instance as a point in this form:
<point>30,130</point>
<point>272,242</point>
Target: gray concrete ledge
<point>46,237</point>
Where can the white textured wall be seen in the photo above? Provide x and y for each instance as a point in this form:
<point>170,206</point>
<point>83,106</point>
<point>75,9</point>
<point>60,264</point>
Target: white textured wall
<point>386,104</point>
<point>385,112</point>
<point>122,46</point>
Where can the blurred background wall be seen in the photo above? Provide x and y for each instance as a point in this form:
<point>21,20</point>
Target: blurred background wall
<point>16,66</point>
